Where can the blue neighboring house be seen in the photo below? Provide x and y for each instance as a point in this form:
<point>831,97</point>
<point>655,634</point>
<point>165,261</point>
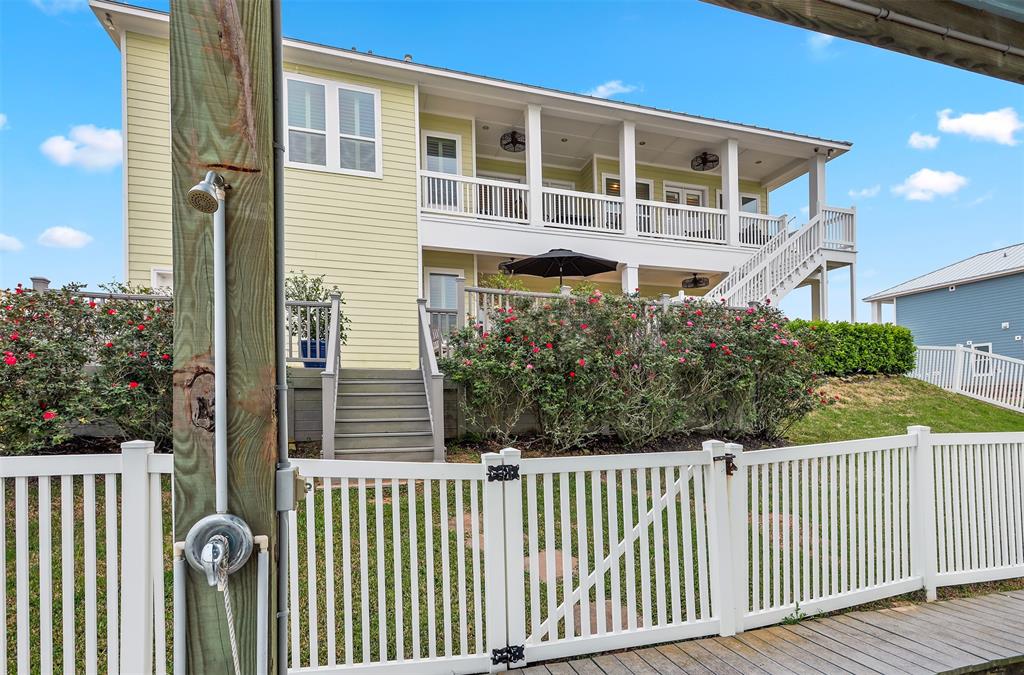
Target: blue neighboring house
<point>977,302</point>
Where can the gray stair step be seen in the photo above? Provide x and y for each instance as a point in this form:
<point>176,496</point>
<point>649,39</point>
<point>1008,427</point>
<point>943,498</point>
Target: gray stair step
<point>382,425</point>
<point>398,439</point>
<point>380,373</point>
<point>383,386</point>
<point>357,412</point>
<point>417,454</point>
<point>381,399</point>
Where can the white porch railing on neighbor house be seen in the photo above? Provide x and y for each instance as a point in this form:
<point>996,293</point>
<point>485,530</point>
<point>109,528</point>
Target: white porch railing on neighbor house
<point>582,210</point>
<point>988,377</point>
<point>757,229</point>
<point>429,567</point>
<point>678,221</point>
<point>470,196</point>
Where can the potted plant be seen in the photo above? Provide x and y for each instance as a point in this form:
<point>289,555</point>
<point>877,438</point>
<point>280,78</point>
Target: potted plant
<point>312,329</point>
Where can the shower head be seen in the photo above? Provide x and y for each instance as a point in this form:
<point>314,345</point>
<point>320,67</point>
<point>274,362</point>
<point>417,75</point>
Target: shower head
<point>206,195</point>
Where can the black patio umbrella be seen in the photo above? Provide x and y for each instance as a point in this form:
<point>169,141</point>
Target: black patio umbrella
<point>559,262</point>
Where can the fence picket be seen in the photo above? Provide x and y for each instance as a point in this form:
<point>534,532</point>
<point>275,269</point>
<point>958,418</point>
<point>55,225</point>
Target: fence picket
<point>46,581</point>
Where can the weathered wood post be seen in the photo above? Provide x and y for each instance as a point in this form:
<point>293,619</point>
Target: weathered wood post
<point>221,120</point>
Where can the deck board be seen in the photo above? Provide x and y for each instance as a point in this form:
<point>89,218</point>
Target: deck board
<point>950,636</point>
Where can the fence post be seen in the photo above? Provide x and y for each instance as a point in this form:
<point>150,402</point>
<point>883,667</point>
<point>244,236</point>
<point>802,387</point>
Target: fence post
<point>664,303</point>
<point>922,504</point>
<point>460,302</point>
<point>136,587</point>
<point>494,570</point>
<point>738,519</point>
<point>515,576</point>
<point>958,368</point>
<point>720,541</point>
<point>40,284</point>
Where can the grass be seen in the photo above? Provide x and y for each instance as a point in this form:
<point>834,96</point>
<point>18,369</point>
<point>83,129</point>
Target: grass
<point>886,406</point>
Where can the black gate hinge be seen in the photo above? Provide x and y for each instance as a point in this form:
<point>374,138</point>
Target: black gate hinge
<point>502,472</point>
<point>509,654</point>
<point>730,465</point>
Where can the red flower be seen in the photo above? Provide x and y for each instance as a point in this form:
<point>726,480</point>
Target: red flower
<point>31,355</point>
<point>618,352</point>
<point>14,335</point>
<point>699,313</point>
<point>141,326</point>
<point>583,326</point>
<point>108,344</point>
<point>49,415</point>
<point>536,349</point>
<point>111,312</point>
<point>713,345</point>
<point>10,360</point>
<point>582,362</point>
<point>508,339</point>
<point>549,346</point>
<point>92,304</point>
<point>133,384</point>
<point>572,373</point>
<point>143,355</point>
<point>165,357</point>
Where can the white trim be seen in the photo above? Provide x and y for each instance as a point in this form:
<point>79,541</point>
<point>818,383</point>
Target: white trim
<point>447,136</point>
<point>605,176</point>
<point>446,271</point>
<point>672,185</point>
<point>332,129</point>
<point>472,143</point>
<point>559,183</point>
<point>419,195</point>
<point>974,359</point>
<point>882,295</point>
<point>154,272</point>
<point>753,195</point>
<point>123,41</point>
<point>501,175</point>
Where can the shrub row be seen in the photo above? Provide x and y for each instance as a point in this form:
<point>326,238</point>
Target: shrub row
<point>843,348</point>
<point>588,366</point>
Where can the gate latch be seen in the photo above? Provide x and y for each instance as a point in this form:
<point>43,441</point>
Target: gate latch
<point>509,654</point>
<point>502,472</point>
<point>730,465</point>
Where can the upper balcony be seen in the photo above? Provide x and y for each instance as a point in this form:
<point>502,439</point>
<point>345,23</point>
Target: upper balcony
<point>628,186</point>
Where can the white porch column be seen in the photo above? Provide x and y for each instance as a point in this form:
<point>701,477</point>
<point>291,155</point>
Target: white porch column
<point>876,311</point>
<point>816,185</point>
<point>823,293</point>
<point>627,177</point>
<point>630,277</point>
<point>815,299</point>
<point>730,163</point>
<point>534,165</point>
<point>853,292</point>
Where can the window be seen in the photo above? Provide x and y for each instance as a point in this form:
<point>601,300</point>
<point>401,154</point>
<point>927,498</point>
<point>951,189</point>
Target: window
<point>442,154</point>
<point>749,203</point>
<point>688,196</point>
<point>981,362</point>
<point>612,187</point>
<point>333,126</point>
<point>442,289</point>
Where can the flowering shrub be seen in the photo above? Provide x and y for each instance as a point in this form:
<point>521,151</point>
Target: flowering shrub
<point>602,364</point>
<point>70,360</point>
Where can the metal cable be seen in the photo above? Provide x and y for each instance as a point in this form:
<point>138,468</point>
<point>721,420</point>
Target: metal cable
<point>230,615</point>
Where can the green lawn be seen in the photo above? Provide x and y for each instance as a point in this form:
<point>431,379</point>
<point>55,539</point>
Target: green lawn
<point>885,406</point>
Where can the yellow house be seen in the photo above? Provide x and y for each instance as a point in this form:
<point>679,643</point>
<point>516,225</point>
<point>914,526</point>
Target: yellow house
<point>401,178</point>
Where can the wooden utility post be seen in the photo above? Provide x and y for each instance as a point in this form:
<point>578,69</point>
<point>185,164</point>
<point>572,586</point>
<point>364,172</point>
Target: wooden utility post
<point>221,120</point>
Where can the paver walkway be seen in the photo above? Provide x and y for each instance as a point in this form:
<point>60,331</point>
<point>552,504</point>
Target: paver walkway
<point>950,636</point>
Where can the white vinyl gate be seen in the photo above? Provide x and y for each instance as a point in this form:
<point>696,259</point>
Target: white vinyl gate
<point>440,568</point>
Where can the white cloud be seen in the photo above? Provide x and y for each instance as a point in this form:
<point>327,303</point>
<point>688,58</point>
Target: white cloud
<point>819,43</point>
<point>3,121</point>
<point>864,193</point>
<point>9,243</point>
<point>999,126</point>
<point>920,141</point>
<point>58,6</point>
<point>924,185</point>
<point>611,88</point>
<point>64,237</point>
<point>983,198</point>
<point>87,146</point>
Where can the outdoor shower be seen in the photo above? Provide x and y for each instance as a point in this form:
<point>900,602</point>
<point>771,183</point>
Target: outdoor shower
<point>221,543</point>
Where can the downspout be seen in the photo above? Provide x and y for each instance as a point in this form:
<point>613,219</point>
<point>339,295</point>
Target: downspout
<point>279,331</point>
<point>943,31</point>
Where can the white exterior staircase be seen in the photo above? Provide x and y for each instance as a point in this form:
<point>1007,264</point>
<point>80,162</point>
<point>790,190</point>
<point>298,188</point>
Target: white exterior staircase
<point>787,259</point>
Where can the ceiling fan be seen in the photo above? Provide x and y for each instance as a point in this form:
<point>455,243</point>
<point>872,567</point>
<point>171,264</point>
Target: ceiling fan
<point>696,281</point>
<point>705,161</point>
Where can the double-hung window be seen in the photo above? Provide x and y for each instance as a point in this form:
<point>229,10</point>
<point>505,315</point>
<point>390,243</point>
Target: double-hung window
<point>333,126</point>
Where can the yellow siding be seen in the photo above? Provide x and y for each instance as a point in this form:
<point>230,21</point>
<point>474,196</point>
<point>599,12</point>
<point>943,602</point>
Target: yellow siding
<point>452,260</point>
<point>463,128</point>
<point>661,175</point>
<point>360,232</point>
<point>503,166</point>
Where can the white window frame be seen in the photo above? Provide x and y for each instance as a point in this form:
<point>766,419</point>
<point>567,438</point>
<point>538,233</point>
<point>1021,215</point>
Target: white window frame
<point>975,370</point>
<point>681,187</point>
<point>604,180</point>
<point>155,273</point>
<point>559,184</point>
<point>446,271</point>
<point>753,195</point>
<point>333,128</point>
<point>440,134</point>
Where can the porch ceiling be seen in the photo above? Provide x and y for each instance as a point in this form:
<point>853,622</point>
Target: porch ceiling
<point>570,141</point>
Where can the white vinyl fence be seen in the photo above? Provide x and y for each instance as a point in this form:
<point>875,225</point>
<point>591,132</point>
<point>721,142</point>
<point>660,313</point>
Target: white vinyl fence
<point>441,568</point>
<point>987,377</point>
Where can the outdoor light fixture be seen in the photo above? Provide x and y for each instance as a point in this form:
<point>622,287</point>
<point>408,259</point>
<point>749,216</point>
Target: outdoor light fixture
<point>513,141</point>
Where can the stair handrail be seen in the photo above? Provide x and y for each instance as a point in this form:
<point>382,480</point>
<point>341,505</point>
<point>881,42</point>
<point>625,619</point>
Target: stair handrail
<point>779,246</point>
<point>738,273</point>
<point>329,380</point>
<point>433,381</point>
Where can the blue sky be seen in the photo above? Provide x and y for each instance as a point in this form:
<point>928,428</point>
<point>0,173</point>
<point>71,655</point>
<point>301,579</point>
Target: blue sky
<point>919,207</point>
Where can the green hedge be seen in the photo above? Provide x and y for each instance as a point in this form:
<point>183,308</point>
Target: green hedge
<point>845,348</point>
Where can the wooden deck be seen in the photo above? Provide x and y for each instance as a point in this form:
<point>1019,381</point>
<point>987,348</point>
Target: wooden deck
<point>950,636</point>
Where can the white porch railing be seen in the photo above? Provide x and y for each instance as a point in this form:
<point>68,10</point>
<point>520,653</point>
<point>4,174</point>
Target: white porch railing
<point>840,228</point>
<point>987,377</point>
<point>433,379</point>
<point>428,567</point>
<point>329,379</point>
<point>678,221</point>
<point>582,210</point>
<point>757,229</point>
<point>470,196</point>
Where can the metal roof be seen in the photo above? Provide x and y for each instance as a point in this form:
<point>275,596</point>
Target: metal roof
<point>995,263</point>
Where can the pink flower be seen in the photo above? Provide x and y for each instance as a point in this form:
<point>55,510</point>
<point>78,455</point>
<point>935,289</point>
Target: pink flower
<point>535,350</point>
<point>529,366</point>
<point>467,362</point>
<point>10,360</point>
<point>31,355</point>
<point>582,362</point>
<point>49,415</point>
<point>583,326</point>
<point>618,352</point>
<point>549,346</point>
<point>750,310</point>
<point>633,315</point>
<point>713,345</point>
<point>682,359</point>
